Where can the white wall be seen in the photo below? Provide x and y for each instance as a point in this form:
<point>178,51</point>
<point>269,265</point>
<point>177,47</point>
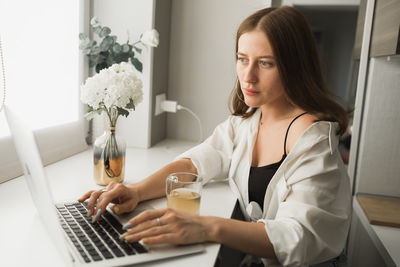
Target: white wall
<point>135,16</point>
<point>202,61</point>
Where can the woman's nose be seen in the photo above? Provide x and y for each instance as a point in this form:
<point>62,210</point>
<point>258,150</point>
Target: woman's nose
<point>250,74</point>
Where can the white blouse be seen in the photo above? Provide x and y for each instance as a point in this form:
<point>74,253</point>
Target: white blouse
<point>307,204</point>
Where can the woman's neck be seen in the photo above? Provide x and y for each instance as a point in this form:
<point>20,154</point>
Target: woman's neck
<point>277,111</point>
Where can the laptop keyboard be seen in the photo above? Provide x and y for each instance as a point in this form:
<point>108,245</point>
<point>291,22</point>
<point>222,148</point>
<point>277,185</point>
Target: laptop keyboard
<point>95,241</point>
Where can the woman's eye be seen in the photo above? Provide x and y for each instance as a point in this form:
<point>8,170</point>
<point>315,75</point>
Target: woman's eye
<point>242,59</point>
<point>265,63</point>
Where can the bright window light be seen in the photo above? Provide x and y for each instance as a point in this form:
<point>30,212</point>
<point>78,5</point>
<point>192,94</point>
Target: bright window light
<point>41,56</point>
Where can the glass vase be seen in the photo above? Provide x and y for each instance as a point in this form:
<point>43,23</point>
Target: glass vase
<point>109,158</point>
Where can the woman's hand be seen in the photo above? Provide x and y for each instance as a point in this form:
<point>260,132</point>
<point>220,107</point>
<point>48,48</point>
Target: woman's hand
<point>124,197</point>
<point>168,226</point>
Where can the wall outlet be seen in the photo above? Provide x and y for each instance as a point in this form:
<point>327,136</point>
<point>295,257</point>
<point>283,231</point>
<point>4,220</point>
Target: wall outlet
<point>159,101</point>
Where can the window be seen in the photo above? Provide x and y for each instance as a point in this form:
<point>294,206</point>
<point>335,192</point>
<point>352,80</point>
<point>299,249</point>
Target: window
<point>43,72</point>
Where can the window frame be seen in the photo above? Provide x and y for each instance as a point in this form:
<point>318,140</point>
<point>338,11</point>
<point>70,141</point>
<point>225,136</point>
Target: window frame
<point>57,142</point>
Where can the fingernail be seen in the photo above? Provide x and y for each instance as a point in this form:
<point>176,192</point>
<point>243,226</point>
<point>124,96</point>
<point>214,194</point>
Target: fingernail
<point>89,213</point>
<point>126,226</point>
<point>122,237</point>
<point>116,209</point>
<point>97,216</point>
<point>128,238</point>
<point>143,241</point>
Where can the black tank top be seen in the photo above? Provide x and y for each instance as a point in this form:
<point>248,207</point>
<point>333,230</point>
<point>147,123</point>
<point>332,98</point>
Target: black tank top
<point>260,177</point>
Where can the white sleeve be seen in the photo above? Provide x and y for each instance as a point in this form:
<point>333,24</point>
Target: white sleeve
<point>212,158</point>
<point>312,223</point>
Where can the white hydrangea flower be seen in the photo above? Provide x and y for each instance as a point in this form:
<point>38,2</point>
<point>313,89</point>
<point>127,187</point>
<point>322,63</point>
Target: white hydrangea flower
<point>113,87</point>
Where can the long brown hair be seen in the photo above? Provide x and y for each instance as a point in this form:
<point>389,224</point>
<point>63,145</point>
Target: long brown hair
<point>298,63</point>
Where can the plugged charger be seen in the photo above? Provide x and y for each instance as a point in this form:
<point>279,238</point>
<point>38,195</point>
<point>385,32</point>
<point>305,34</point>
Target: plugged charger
<point>169,106</point>
<point>163,105</point>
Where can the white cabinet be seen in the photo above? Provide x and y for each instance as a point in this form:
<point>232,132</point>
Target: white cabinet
<point>375,150</point>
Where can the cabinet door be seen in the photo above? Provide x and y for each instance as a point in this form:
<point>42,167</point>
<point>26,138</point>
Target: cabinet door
<point>386,28</point>
<point>361,249</point>
<point>360,29</point>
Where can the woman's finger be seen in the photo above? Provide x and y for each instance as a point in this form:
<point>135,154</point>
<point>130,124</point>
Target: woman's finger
<point>143,226</point>
<point>92,201</point>
<point>104,199</point>
<point>134,236</point>
<point>85,196</point>
<point>123,207</point>
<point>143,217</point>
<point>168,238</point>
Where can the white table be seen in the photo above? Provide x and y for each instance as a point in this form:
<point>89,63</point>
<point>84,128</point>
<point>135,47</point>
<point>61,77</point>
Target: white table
<point>386,239</point>
<point>24,241</point>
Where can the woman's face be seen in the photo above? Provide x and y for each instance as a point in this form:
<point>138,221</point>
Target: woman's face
<point>257,70</point>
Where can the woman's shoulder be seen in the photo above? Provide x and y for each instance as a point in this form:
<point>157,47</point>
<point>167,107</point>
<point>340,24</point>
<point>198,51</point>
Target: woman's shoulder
<point>307,123</point>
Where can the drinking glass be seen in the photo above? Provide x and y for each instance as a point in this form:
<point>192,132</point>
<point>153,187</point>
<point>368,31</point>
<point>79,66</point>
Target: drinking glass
<point>184,192</point>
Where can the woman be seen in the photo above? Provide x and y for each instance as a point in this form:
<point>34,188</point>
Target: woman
<point>279,149</point>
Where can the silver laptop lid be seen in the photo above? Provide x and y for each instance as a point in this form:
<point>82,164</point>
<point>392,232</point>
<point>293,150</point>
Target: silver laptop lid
<point>35,177</point>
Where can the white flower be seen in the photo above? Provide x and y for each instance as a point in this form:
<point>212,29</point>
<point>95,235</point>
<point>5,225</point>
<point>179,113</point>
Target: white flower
<point>150,38</point>
<point>94,22</point>
<point>113,87</point>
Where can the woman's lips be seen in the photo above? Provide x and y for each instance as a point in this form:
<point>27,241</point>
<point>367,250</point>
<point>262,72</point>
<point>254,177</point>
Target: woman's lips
<point>250,92</point>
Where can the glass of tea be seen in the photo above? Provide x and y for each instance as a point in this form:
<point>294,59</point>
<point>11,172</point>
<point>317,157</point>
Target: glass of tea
<point>184,192</point>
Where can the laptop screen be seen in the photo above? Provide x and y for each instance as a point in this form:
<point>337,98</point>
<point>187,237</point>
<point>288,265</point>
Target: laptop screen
<point>35,177</point>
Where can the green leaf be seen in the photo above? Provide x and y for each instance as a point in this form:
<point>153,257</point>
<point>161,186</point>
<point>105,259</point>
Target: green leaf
<point>138,49</point>
<point>84,44</point>
<point>100,66</point>
<point>138,65</point>
<point>95,50</point>
<point>110,60</point>
<point>106,43</point>
<point>93,113</point>
<point>117,48</point>
<point>97,30</point>
<point>130,105</point>
<point>121,57</point>
<point>105,31</point>
<point>125,48</point>
<point>122,112</point>
<point>86,51</point>
<point>94,57</point>
<point>82,36</point>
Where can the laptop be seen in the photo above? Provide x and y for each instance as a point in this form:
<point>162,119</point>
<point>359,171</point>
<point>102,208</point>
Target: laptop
<point>79,241</point>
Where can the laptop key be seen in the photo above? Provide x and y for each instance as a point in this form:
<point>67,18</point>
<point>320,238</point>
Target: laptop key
<point>128,249</point>
<point>118,252</point>
<point>96,257</point>
<point>93,252</point>
<point>107,254</point>
<point>114,222</point>
<point>86,243</point>
<point>86,258</point>
<point>139,248</point>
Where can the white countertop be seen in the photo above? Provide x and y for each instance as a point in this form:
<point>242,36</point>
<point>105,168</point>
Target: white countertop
<point>23,239</point>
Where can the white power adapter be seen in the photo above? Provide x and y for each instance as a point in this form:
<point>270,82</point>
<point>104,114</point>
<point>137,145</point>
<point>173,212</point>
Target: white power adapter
<point>169,106</point>
<point>163,105</point>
